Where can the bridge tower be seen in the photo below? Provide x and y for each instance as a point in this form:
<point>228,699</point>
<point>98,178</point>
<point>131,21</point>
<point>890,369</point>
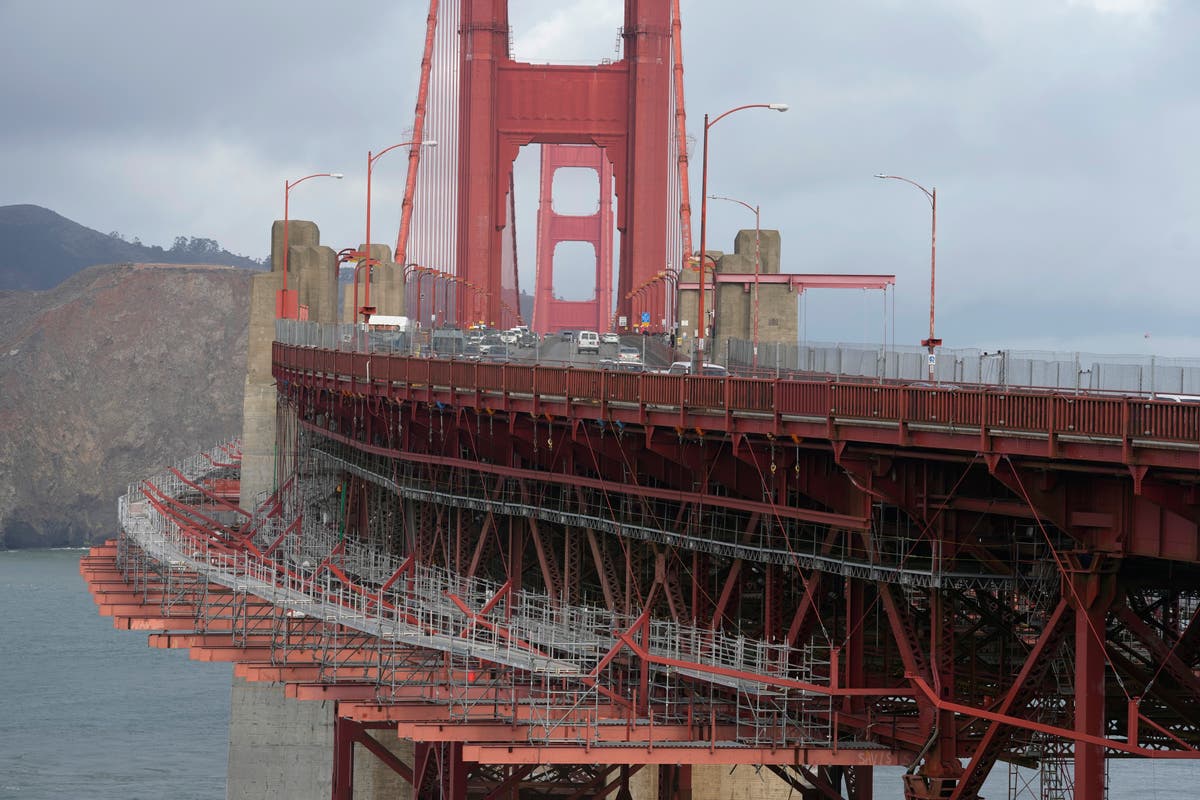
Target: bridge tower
<point>549,312</point>
<point>624,107</point>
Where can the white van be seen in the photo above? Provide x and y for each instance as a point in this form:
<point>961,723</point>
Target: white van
<point>588,341</point>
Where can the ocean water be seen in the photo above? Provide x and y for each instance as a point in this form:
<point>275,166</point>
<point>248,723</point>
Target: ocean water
<point>89,711</point>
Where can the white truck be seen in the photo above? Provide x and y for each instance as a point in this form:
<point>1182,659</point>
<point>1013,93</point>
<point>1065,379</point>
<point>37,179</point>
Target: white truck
<point>588,342</point>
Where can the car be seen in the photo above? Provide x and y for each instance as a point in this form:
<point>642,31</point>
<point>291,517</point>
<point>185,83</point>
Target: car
<point>610,338</point>
<point>509,337</point>
<point>685,368</point>
<point>567,335</point>
<point>589,342</point>
<point>492,346</point>
<point>627,353</point>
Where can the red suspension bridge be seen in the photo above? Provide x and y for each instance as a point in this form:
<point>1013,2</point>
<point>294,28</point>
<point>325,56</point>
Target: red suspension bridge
<point>558,581</point>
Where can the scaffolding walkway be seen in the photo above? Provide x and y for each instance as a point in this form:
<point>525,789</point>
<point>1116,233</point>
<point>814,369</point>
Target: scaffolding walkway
<point>561,655</point>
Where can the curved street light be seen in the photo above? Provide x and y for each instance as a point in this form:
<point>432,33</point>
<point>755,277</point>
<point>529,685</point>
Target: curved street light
<point>371,159</point>
<point>698,356</point>
<point>932,341</point>
<point>283,304</point>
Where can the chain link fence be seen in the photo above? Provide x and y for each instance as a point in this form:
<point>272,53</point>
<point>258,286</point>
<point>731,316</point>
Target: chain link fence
<point>1168,378</point>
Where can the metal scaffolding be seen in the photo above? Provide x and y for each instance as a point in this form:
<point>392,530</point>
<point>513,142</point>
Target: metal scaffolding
<point>359,607</point>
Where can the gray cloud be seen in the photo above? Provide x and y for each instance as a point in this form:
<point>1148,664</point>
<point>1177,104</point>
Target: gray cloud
<point>1059,136</point>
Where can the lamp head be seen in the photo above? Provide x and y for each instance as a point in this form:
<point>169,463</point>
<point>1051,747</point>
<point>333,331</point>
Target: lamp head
<point>337,175</point>
<point>778,106</point>
<point>880,175</point>
<point>430,143</point>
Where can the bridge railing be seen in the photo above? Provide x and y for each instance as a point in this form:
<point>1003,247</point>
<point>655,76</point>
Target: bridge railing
<point>1079,371</point>
<point>993,410</point>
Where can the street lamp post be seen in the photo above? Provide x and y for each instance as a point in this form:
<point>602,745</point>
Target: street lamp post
<point>407,273</point>
<point>932,341</point>
<point>699,354</point>
<point>670,297</point>
<point>371,159</point>
<point>421,273</point>
<point>757,266</point>
<point>284,308</point>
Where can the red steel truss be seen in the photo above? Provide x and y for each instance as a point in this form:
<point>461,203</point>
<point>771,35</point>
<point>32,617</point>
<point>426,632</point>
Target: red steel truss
<point>518,566</point>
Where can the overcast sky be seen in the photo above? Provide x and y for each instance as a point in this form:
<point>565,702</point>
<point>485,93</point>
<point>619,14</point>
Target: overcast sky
<point>1060,135</point>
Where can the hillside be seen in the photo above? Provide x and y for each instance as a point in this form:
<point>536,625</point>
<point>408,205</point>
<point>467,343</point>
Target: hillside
<point>39,249</point>
<point>107,378</point>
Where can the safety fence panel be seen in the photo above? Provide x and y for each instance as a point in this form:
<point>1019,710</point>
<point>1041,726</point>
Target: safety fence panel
<point>661,390</point>
<point>439,373</point>
<point>1018,412</point>
<point>519,378</point>
<point>584,383</point>
<point>417,371</point>
<point>864,401</point>
<point>943,406</point>
<point>462,374</point>
<point>1165,419</point>
<point>550,381</point>
<point>751,394</point>
<point>391,370</point>
<point>804,398</point>
<point>359,364</point>
<point>622,387</point>
<point>343,364</point>
<point>700,391</point>
<point>489,377</point>
<point>1095,416</point>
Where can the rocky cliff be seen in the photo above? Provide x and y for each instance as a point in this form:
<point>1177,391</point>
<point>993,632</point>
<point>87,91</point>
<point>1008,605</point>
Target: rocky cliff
<point>105,379</point>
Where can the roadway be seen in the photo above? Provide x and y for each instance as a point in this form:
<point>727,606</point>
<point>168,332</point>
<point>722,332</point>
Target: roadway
<point>553,349</point>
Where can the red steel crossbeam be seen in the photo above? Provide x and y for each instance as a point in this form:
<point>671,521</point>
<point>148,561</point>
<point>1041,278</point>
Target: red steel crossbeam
<point>518,753</point>
<point>800,281</point>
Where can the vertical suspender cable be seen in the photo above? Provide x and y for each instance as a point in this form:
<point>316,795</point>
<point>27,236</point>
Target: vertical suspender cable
<point>414,152</point>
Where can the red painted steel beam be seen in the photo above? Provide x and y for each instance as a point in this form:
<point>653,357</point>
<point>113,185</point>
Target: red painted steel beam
<point>491,731</point>
<point>727,753</point>
<point>799,281</point>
